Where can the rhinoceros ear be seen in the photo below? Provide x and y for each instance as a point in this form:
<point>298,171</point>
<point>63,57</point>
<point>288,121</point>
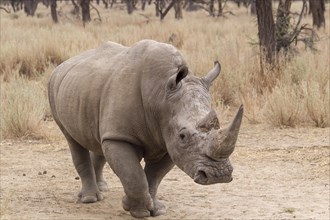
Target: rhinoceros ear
<point>212,75</point>
<point>174,81</point>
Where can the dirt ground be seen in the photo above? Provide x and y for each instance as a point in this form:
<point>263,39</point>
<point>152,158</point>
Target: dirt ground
<point>278,174</point>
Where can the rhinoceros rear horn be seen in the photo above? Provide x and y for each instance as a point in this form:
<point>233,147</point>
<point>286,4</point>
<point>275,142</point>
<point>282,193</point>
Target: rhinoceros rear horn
<point>209,122</point>
<point>213,74</point>
<point>224,140</point>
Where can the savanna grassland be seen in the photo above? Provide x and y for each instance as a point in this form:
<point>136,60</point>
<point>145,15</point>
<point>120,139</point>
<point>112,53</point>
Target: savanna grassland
<point>281,161</point>
<point>297,94</point>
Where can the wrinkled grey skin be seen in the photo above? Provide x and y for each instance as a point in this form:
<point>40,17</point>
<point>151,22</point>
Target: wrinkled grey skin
<point>120,104</point>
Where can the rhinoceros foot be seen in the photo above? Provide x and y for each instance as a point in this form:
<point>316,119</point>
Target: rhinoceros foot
<point>89,197</point>
<point>103,186</point>
<point>138,208</point>
<point>159,208</point>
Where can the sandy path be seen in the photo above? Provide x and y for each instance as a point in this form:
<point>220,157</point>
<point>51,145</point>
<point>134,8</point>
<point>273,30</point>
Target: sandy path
<point>277,174</point>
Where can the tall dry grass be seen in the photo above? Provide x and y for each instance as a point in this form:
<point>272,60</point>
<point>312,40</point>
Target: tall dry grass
<point>296,95</point>
<point>23,105</point>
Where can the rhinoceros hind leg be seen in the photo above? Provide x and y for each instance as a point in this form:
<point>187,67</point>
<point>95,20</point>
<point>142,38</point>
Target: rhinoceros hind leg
<point>98,164</point>
<point>83,164</point>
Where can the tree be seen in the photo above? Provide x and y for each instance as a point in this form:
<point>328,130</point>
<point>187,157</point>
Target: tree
<point>130,6</point>
<point>16,4</point>
<point>253,7</point>
<point>266,30</point>
<point>53,11</point>
<point>274,38</point>
<point>211,10</point>
<point>220,8</point>
<point>178,9</point>
<point>30,7</point>
<point>159,8</point>
<point>317,8</point>
<point>86,17</point>
<point>76,9</point>
<point>282,25</point>
<point>144,2</point>
<point>106,4</point>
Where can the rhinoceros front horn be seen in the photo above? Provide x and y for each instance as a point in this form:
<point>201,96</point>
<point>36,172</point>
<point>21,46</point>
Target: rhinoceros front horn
<point>223,140</point>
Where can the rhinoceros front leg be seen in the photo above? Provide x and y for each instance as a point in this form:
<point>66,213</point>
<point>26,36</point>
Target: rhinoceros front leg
<point>125,162</point>
<point>98,164</point>
<point>155,172</point>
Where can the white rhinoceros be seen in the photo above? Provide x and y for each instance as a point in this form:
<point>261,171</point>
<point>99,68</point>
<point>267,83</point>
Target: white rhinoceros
<point>120,104</point>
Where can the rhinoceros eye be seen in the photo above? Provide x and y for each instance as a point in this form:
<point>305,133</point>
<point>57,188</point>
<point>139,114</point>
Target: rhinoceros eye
<point>184,135</point>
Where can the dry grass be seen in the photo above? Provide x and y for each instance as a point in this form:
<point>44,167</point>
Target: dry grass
<point>296,95</point>
<point>318,103</point>
<point>23,105</point>
<point>284,107</point>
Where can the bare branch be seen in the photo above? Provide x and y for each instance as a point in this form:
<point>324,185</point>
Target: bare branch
<point>5,9</point>
<point>97,11</point>
<point>295,33</point>
<point>163,14</point>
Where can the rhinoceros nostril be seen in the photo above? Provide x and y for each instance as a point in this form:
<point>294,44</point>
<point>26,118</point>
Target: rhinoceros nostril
<point>201,177</point>
<point>202,174</point>
<point>182,136</point>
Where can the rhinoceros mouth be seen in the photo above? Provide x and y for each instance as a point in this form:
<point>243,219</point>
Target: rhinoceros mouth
<point>213,172</point>
<point>202,177</point>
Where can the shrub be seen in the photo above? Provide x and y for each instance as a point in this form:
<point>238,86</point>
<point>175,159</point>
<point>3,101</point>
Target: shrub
<point>317,103</point>
<point>284,107</point>
<point>252,105</point>
<point>22,107</point>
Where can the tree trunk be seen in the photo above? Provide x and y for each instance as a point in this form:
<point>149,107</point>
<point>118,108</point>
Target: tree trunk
<point>157,7</point>
<point>266,30</point>
<point>143,5</point>
<point>130,6</point>
<point>112,2</point>
<point>30,7</point>
<point>76,9</point>
<point>53,11</point>
<point>220,8</point>
<point>86,16</point>
<point>164,13</point>
<point>282,25</point>
<point>238,2</point>
<point>178,9</point>
<point>211,10</point>
<point>253,7</point>
<point>106,4</point>
<point>46,2</point>
<point>317,8</point>
<point>13,5</point>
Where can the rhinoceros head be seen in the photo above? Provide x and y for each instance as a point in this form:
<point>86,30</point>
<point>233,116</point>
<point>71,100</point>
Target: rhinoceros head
<point>193,137</point>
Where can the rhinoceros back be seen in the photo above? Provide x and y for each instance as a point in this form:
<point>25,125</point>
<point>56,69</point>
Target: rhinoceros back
<point>75,88</point>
